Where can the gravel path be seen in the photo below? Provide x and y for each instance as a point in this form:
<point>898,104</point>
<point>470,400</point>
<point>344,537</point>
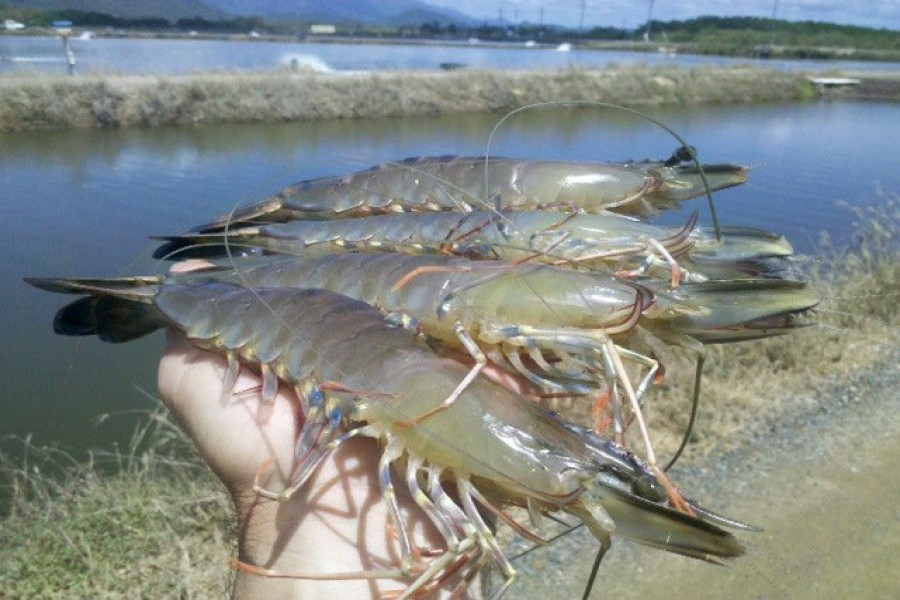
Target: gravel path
<point>822,481</point>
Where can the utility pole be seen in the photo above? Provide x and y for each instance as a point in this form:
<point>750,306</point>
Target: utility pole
<point>774,24</point>
<point>67,50</point>
<point>581,19</point>
<point>649,23</point>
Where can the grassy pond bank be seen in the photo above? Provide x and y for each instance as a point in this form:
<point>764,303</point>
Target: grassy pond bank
<point>45,102</point>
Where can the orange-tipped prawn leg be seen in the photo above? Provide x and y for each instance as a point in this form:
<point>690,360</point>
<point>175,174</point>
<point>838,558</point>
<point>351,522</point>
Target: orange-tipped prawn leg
<point>664,256</point>
<point>675,497</point>
<point>481,361</point>
<point>306,466</point>
<point>609,396</point>
<point>598,344</point>
<point>444,524</point>
<point>470,544</point>
<point>393,450</point>
<point>602,421</point>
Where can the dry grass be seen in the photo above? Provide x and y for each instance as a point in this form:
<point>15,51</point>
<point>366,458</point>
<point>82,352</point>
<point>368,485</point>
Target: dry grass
<point>42,102</point>
<point>746,386</point>
<point>159,525</point>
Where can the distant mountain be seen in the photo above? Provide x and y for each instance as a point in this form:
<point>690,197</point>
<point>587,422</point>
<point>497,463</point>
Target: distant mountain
<point>372,12</point>
<point>129,9</point>
<point>368,12</point>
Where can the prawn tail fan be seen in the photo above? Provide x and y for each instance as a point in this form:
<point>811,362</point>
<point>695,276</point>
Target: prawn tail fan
<point>115,310</point>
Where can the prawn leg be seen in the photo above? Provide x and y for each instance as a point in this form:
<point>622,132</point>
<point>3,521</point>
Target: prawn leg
<point>601,344</point>
<point>480,362</point>
<point>677,272</point>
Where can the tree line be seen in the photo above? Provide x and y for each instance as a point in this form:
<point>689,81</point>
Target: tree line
<point>713,35</point>
<point>97,20</point>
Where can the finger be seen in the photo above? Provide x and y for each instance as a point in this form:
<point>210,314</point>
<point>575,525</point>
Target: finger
<point>191,264</point>
<point>233,431</point>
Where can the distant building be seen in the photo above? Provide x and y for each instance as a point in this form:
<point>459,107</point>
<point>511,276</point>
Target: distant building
<point>11,25</point>
<point>322,29</point>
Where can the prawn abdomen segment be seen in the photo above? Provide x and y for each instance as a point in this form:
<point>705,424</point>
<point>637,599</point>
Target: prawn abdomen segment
<point>284,328</point>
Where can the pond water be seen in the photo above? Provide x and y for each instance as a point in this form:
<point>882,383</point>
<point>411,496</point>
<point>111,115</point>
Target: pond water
<point>84,202</point>
<point>154,56</point>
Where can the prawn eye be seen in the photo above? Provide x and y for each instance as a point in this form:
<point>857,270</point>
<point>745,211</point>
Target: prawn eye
<point>648,488</point>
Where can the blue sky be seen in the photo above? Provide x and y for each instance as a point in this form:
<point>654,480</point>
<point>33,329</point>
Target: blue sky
<point>631,13</point>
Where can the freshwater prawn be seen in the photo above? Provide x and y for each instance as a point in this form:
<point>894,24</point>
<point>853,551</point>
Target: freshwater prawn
<point>372,379</point>
<point>604,243</point>
<point>464,184</point>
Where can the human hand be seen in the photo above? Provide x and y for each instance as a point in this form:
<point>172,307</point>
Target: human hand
<point>337,522</point>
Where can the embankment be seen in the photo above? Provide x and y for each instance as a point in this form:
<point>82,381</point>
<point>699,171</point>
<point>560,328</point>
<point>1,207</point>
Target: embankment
<point>876,86</point>
<point>52,102</point>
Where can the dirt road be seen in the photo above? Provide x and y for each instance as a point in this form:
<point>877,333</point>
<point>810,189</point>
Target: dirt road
<point>824,485</point>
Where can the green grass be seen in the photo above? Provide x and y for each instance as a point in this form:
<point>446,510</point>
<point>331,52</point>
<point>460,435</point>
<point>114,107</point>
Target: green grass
<point>153,521</point>
<point>52,102</point>
<point>146,522</point>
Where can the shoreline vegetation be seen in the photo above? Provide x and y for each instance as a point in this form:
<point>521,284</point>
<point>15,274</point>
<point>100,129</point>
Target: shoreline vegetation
<point>29,101</point>
<point>152,520</point>
<point>41,101</point>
